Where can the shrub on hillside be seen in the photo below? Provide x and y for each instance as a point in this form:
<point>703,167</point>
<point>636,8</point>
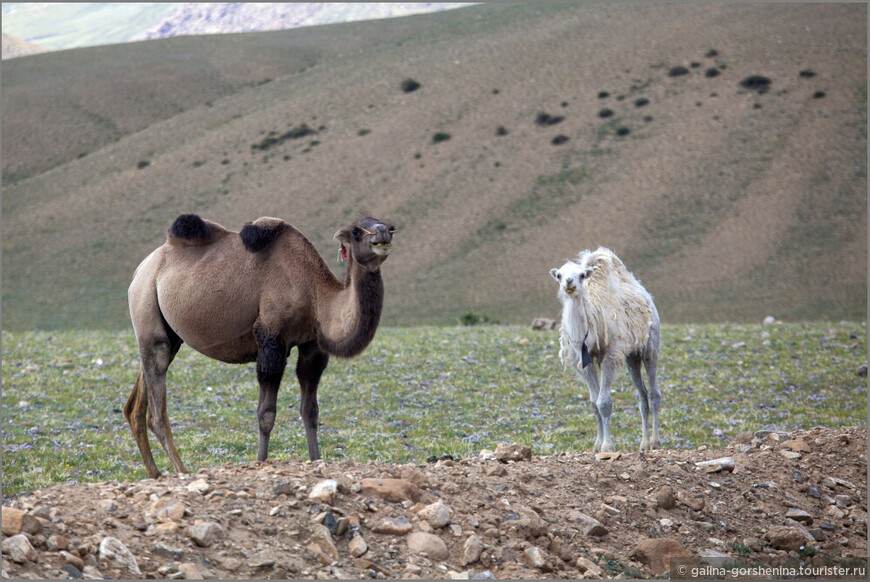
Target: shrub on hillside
<point>440,136</point>
<point>544,118</point>
<point>410,85</point>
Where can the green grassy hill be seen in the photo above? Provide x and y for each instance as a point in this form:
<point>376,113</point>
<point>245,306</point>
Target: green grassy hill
<point>728,202</point>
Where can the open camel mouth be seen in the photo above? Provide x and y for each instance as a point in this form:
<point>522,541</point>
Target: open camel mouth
<point>570,290</point>
<point>381,248</point>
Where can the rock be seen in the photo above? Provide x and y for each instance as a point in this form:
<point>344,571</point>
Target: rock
<point>814,491</point>
<point>397,526</point>
<point>72,571</point>
<point>586,565</point>
<point>321,536</point>
<point>393,490</point>
<point>799,515</point>
<point>19,549</point>
<point>495,470</point>
<point>513,452</point>
<point>608,456</point>
<point>657,553</point>
<point>540,323</point>
<point>325,491</point>
<point>165,509</point>
<point>205,533</point>
<point>262,559</point>
<point>717,465</point>
<point>357,546</point>
<point>665,498</point>
<point>72,560</point>
<point>200,487</point>
<point>833,482</point>
<point>437,514</point>
<point>769,320</point>
<point>57,543</point>
<point>790,454</point>
<point>471,550</point>
<point>529,523</point>
<point>797,445</point>
<point>113,550</point>
<point>835,512</point>
<point>16,521</point>
<point>284,488</point>
<point>190,571</point>
<point>713,557</point>
<point>587,524</point>
<point>693,502</point>
<point>534,557</point>
<point>430,544</point>
<point>862,370</point>
<point>786,538</point>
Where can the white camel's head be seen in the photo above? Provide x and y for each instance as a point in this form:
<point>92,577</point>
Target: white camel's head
<point>570,277</point>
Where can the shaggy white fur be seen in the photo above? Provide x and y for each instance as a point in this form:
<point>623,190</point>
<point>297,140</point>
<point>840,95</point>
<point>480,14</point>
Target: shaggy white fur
<point>608,319</point>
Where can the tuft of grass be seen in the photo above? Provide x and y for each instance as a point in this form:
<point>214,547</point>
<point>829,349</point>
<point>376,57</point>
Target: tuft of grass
<point>415,393</point>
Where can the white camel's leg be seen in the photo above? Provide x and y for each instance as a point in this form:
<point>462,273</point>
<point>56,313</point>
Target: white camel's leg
<point>609,368</point>
<point>590,376</point>
<point>309,367</point>
<point>655,397</point>
<point>633,364</point>
<point>271,361</point>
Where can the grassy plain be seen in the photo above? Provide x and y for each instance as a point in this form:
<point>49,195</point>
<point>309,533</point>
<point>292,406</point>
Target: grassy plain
<point>416,393</point>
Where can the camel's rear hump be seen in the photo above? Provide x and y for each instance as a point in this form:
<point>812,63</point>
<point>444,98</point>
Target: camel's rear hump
<point>262,232</point>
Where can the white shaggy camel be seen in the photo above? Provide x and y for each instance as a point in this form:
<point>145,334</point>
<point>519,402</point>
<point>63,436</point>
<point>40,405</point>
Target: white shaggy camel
<point>607,318</point>
<point>251,296</point>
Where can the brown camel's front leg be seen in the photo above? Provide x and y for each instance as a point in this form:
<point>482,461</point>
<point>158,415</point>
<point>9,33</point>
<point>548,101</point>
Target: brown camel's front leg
<point>309,367</point>
<point>271,361</point>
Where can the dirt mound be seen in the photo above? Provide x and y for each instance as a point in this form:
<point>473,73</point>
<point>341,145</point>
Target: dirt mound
<point>775,497</point>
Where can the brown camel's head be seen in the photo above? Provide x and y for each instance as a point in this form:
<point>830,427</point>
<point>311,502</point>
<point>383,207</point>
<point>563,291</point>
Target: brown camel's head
<point>368,240</point>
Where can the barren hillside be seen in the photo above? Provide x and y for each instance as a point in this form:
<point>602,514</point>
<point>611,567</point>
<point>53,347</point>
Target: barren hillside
<point>719,149</point>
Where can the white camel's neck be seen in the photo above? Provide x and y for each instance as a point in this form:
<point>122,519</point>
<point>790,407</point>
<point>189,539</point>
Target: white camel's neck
<point>575,318</point>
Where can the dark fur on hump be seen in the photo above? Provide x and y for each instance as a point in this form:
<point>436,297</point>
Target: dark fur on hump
<point>261,233</point>
<point>190,227</point>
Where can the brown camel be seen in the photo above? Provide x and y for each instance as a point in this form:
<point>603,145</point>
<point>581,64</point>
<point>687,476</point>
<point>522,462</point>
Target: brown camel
<point>245,297</point>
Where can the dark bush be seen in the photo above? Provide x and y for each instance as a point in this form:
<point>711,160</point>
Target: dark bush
<point>621,131</point>
<point>678,71</point>
<point>501,130</point>
<point>225,162</point>
<point>605,113</point>
<point>470,318</point>
<point>757,83</point>
<point>643,101</point>
<point>818,95</point>
<point>712,72</point>
<point>712,53</point>
<point>807,74</point>
<point>410,85</point>
<point>364,132</point>
<point>603,94</point>
<point>695,64</point>
<point>559,139</point>
<point>547,119</point>
<point>143,164</point>
<point>440,136</point>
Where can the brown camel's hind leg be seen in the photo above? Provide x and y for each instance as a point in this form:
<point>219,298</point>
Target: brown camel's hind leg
<point>309,367</point>
<point>271,361</point>
<point>156,358</point>
<point>135,410</point>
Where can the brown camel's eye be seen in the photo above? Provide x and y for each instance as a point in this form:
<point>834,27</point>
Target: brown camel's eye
<point>356,232</point>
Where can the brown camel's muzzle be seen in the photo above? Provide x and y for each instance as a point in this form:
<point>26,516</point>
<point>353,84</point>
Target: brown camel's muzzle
<point>380,240</point>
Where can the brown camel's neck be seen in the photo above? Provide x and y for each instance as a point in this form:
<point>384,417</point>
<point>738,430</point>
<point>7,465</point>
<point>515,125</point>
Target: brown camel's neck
<point>351,317</point>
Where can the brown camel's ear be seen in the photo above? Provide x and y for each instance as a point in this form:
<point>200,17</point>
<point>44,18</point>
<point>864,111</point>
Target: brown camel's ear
<point>343,235</point>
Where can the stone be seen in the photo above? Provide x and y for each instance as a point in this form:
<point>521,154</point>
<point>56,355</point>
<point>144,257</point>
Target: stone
<point>799,515</point>
<point>321,536</point>
<point>324,491</point>
<point>19,548</point>
<point>262,559</point>
<point>797,445</point>
<point>693,502</point>
<point>357,546</point>
<point>657,553</point>
<point>56,543</point>
<point>165,509</point>
<point>393,490</point>
<point>534,557</point>
<point>713,557</point>
<point>790,454</point>
<point>586,565</point>
<point>318,552</point>
<point>284,488</point>
<point>206,533</point>
<point>190,571</point>
<point>861,370</point>
<point>397,526</point>
<point>783,537</point>
<point>814,491</point>
<point>495,470</point>
<point>437,514</point>
<point>113,550</point>
<point>200,487</point>
<point>72,560</point>
<point>164,551</point>
<point>587,524</point>
<point>608,456</point>
<point>16,521</point>
<point>471,550</point>
<point>513,452</point>
<point>425,543</point>
<point>665,498</point>
<point>72,571</point>
<point>717,465</point>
